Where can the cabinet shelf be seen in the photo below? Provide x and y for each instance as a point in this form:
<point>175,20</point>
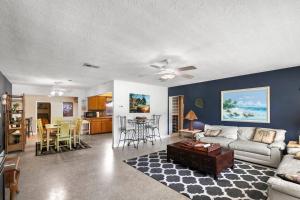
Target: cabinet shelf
<point>14,115</point>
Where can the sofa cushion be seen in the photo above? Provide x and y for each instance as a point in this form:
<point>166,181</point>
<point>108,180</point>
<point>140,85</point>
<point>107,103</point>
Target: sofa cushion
<point>229,132</point>
<point>246,133</point>
<point>264,135</point>
<point>249,146</point>
<point>212,133</point>
<point>224,142</point>
<point>289,165</point>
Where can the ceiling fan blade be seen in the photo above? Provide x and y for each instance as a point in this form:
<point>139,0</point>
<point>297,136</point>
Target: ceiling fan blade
<point>188,76</point>
<point>186,68</point>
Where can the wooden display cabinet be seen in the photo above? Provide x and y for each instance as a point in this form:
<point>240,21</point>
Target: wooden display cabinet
<point>15,137</point>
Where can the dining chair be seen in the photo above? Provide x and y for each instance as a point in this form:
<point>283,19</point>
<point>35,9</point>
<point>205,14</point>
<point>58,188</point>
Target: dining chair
<point>42,136</point>
<point>77,131</point>
<point>57,120</point>
<point>64,135</point>
<point>128,133</point>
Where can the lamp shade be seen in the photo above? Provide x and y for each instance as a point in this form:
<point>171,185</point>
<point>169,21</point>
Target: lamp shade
<point>191,115</point>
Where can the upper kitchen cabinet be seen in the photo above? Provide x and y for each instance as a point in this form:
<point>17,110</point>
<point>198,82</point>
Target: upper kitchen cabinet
<point>96,103</point>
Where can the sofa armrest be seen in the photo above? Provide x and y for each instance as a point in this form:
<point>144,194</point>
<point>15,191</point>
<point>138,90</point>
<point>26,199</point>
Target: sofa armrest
<point>279,145</point>
<point>199,135</point>
<point>285,187</point>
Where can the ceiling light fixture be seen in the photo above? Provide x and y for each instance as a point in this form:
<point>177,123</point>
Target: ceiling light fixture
<point>57,90</point>
<point>168,76</point>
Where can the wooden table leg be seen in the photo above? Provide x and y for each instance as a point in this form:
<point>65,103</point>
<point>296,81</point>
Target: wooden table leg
<point>74,138</point>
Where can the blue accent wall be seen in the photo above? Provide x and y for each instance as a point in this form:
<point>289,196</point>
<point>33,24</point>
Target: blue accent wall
<point>284,98</point>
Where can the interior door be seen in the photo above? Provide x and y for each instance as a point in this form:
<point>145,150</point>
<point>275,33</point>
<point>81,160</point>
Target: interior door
<point>176,113</point>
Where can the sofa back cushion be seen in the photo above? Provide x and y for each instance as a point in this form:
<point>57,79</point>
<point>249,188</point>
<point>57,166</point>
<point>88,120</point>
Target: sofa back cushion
<point>226,131</point>
<point>264,135</point>
<point>280,135</point>
<point>229,132</point>
<point>246,133</point>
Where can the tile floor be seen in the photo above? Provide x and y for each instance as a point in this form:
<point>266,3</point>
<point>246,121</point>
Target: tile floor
<point>95,173</point>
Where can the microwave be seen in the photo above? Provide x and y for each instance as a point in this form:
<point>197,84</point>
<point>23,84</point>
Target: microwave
<point>91,114</point>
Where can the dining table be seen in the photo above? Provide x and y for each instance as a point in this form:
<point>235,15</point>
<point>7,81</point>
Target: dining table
<point>54,127</point>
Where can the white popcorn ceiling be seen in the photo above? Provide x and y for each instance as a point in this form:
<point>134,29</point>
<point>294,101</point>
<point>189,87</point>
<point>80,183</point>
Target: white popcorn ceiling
<point>46,41</point>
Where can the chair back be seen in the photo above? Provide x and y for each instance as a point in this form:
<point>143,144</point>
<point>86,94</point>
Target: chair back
<point>58,120</point>
<point>156,119</point>
<point>78,126</point>
<point>123,122</point>
<point>64,130</point>
<point>40,130</point>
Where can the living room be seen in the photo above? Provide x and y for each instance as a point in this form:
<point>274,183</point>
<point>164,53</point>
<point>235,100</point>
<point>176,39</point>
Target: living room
<point>150,99</point>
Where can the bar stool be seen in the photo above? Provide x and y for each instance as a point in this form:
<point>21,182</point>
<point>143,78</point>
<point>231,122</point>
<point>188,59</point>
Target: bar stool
<point>128,134</point>
<point>154,125</point>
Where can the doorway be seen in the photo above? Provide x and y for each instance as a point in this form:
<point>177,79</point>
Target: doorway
<point>176,109</point>
<point>44,112</point>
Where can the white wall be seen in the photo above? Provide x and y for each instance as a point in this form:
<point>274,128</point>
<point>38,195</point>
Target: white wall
<point>158,104</point>
<point>44,90</point>
<point>100,89</point>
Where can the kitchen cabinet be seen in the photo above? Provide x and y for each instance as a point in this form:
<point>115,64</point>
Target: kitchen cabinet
<point>95,126</point>
<point>96,103</point>
<point>100,125</point>
<point>106,125</point>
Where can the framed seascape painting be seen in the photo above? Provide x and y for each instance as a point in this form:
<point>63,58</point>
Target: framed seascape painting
<point>68,109</point>
<point>246,105</point>
<point>139,103</point>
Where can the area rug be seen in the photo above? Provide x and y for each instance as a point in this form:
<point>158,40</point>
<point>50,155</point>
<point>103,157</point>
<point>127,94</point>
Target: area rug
<point>52,150</point>
<point>245,181</point>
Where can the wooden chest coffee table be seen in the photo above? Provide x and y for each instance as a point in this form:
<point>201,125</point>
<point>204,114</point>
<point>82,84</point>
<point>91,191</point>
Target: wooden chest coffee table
<point>212,163</point>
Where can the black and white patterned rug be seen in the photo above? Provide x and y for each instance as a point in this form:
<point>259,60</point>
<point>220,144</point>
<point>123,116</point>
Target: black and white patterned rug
<point>245,181</point>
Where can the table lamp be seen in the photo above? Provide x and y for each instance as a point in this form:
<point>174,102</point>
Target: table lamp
<point>191,116</point>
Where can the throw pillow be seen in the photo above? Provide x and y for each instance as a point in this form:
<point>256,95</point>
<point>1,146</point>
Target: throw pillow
<point>297,156</point>
<point>212,133</point>
<point>292,178</point>
<point>264,136</point>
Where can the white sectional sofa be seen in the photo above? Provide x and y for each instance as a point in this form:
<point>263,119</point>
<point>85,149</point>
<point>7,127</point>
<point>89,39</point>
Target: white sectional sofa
<point>240,140</point>
<point>279,189</point>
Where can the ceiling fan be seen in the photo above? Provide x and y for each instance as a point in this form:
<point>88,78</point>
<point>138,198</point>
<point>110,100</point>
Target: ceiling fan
<point>167,73</point>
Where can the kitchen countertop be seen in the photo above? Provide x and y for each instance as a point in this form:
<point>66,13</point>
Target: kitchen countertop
<point>102,117</point>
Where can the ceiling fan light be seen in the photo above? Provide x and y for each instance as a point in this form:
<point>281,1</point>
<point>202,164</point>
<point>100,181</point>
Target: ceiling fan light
<point>168,76</point>
<point>60,93</point>
<point>52,93</point>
